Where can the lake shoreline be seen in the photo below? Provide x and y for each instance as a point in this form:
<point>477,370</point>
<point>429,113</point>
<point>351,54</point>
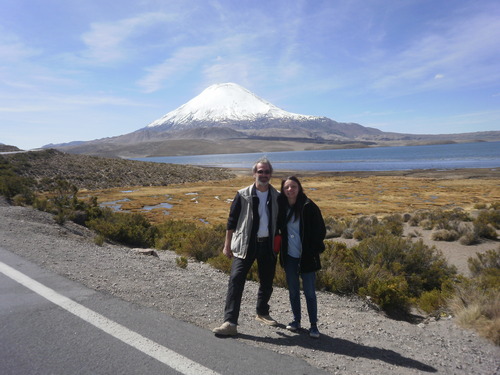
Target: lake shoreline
<point>464,173</point>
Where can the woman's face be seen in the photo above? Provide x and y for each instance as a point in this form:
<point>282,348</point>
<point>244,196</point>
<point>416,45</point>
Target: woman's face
<point>291,190</point>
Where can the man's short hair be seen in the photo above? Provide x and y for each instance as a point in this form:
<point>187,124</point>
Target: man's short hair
<point>262,160</point>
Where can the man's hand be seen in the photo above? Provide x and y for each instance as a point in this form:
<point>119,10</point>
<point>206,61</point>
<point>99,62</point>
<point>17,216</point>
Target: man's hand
<point>227,244</point>
<point>227,251</point>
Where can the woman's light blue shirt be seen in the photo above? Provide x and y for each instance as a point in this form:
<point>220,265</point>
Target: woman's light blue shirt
<point>294,243</point>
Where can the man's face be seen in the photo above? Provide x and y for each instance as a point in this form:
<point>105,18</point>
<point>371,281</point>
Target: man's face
<point>262,175</point>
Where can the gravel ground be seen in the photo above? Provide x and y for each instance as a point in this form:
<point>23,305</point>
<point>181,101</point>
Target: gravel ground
<point>356,339</point>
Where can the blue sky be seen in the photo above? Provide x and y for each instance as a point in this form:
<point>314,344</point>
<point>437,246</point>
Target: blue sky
<point>88,69</point>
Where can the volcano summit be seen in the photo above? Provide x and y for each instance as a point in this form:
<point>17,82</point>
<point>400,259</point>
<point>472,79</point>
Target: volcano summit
<point>223,103</point>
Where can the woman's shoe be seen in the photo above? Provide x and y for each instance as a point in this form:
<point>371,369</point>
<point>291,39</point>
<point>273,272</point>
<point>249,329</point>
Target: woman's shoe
<point>293,326</point>
<point>313,332</point>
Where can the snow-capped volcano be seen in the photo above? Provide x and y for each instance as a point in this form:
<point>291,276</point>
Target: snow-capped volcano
<point>227,118</point>
<point>225,102</point>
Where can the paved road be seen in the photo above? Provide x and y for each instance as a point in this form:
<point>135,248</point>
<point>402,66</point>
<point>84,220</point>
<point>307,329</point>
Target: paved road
<point>51,325</point>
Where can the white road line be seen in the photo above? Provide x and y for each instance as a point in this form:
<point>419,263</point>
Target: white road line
<point>169,357</point>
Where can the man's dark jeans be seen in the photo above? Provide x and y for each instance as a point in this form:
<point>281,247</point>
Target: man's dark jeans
<point>266,262</point>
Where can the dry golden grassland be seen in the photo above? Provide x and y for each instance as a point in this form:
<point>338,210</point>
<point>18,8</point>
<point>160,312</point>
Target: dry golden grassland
<point>336,195</point>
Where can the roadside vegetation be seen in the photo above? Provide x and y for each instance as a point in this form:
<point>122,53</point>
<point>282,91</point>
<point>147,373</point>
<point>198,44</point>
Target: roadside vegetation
<point>398,273</point>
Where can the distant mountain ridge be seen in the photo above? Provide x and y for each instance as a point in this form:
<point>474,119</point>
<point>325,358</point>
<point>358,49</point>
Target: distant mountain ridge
<point>227,118</point>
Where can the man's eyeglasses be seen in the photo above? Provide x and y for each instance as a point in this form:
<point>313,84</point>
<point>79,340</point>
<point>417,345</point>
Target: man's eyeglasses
<point>264,171</point>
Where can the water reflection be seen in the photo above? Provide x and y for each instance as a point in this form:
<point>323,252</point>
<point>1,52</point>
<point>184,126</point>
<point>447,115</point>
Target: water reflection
<point>114,205</point>
<point>156,206</point>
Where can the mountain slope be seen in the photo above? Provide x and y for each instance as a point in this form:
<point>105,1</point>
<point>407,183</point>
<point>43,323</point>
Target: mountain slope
<point>227,118</point>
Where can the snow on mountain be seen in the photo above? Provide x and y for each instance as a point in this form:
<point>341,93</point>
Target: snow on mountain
<point>226,102</point>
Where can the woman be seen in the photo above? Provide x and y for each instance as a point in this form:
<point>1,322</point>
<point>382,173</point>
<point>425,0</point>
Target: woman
<point>303,230</point>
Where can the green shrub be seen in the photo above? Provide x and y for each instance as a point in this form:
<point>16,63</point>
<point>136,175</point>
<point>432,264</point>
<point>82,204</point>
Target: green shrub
<point>340,269</point>
<point>393,224</point>
<point>432,301</point>
<point>171,234</point>
<point>369,226</point>
<point>12,186</point>
<point>484,230</point>
<point>389,292</point>
<point>391,270</point>
<point>99,240</point>
<point>125,228</point>
<point>204,242</point>
<point>491,217</point>
<point>485,268</point>
<point>220,262</point>
<point>181,262</point>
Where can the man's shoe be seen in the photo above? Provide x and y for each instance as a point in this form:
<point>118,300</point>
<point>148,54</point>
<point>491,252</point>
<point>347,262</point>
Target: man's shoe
<point>293,326</point>
<point>313,332</point>
<point>266,319</point>
<point>226,329</point>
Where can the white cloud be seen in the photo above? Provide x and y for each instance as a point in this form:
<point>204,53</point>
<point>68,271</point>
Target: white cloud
<point>106,42</point>
<point>13,49</point>
<point>466,49</point>
<point>182,61</point>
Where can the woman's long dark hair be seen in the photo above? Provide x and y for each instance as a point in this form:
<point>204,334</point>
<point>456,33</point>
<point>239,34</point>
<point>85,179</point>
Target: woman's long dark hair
<point>301,197</point>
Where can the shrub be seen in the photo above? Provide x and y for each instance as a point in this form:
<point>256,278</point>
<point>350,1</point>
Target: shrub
<point>445,235</point>
<point>476,302</point>
<point>12,186</point>
<point>125,228</point>
<point>171,234</point>
<point>393,224</point>
<point>439,219</point>
<point>491,217</point>
<point>365,227</point>
<point>477,308</point>
<point>220,262</point>
<point>389,292</point>
<point>389,269</point>
<point>427,224</point>
<point>348,233</point>
<point>423,267</point>
<point>340,269</point>
<point>432,301</point>
<point>181,262</point>
<point>470,238</point>
<point>484,230</point>
<point>99,240</point>
<point>334,228</point>
<point>203,243</point>
<point>486,268</point>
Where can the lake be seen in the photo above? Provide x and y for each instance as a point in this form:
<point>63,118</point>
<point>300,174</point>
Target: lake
<point>450,156</point>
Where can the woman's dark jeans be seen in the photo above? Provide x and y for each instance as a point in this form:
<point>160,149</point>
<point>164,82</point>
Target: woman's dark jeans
<point>292,268</point>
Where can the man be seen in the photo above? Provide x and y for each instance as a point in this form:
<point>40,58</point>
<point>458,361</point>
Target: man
<point>249,236</point>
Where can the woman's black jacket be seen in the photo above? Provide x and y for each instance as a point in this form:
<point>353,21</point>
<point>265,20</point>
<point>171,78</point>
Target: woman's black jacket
<point>312,234</point>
